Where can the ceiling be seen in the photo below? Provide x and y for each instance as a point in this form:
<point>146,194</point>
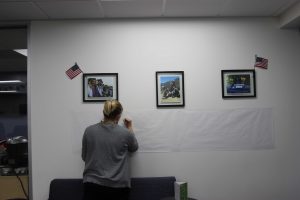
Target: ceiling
<point>14,13</point>
<point>26,10</point>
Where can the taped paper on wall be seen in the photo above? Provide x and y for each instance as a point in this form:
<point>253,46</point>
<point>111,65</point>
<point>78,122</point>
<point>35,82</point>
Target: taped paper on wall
<point>192,130</point>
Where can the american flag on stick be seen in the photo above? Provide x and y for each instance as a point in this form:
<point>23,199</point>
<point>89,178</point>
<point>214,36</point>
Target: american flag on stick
<point>73,71</point>
<point>261,62</point>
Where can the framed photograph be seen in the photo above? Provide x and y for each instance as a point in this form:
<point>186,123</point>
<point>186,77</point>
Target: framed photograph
<point>99,87</point>
<point>238,83</point>
<point>170,89</point>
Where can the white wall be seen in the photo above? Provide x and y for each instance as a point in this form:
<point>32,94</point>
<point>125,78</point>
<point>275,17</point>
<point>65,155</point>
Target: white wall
<point>136,49</point>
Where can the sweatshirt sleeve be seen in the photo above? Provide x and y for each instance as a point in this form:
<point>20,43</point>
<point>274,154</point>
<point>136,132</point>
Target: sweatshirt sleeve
<point>84,146</point>
<point>132,143</point>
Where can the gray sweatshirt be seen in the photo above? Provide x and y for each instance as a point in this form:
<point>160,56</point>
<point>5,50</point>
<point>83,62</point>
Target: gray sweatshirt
<point>105,149</point>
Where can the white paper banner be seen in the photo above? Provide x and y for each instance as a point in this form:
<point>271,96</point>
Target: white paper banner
<point>186,130</point>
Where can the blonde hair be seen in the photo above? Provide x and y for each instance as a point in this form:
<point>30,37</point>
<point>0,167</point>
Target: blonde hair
<point>112,108</point>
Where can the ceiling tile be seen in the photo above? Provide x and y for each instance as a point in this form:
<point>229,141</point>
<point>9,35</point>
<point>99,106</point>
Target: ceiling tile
<point>136,8</point>
<point>253,7</point>
<point>71,9</point>
<point>190,8</point>
<point>20,11</point>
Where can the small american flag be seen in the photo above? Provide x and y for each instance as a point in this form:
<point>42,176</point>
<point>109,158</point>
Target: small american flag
<point>73,71</point>
<point>261,62</point>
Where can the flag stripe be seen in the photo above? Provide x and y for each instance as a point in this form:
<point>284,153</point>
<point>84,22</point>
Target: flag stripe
<point>262,63</point>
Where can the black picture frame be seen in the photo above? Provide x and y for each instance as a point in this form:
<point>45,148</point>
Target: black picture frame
<point>170,89</point>
<point>99,87</point>
<point>238,83</point>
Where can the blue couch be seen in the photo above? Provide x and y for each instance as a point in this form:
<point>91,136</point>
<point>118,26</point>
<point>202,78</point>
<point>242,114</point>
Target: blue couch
<point>145,188</point>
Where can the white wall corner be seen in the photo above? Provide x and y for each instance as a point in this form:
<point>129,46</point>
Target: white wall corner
<point>291,17</point>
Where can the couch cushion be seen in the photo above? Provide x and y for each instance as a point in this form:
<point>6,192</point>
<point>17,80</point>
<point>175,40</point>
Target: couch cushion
<point>152,188</point>
<point>142,188</point>
<point>65,189</point>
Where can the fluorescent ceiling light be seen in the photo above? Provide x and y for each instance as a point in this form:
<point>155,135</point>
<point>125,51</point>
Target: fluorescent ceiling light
<point>21,51</point>
<point>11,81</point>
<point>9,91</point>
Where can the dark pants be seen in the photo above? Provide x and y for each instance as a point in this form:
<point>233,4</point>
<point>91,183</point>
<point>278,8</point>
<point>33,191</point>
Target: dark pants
<point>97,192</point>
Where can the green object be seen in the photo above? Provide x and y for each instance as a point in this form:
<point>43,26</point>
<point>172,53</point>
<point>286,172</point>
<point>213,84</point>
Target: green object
<point>181,190</point>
